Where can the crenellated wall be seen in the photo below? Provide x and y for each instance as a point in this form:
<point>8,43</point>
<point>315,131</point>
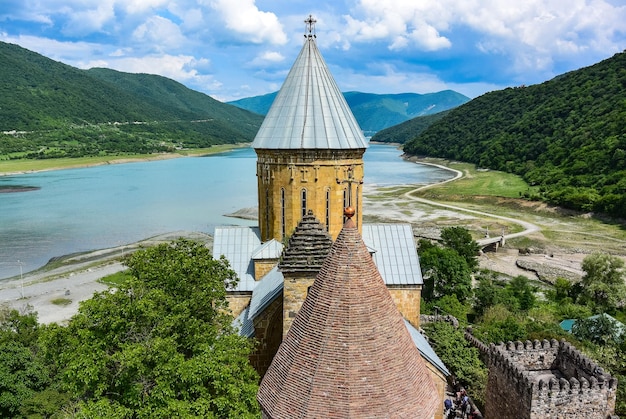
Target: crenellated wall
<point>545,379</point>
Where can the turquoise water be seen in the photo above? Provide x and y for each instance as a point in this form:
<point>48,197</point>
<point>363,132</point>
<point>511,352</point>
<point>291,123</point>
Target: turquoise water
<point>77,210</point>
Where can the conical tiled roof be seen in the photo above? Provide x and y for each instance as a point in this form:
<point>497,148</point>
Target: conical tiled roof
<point>348,353</point>
<point>309,111</point>
<point>308,246</point>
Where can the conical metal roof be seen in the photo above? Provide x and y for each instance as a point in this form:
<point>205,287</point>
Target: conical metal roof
<point>348,353</point>
<point>309,111</point>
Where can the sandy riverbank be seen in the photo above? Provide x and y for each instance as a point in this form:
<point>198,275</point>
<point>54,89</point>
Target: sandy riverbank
<point>73,279</point>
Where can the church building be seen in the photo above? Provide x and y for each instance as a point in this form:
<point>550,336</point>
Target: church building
<point>309,168</point>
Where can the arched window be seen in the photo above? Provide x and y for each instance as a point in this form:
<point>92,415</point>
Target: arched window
<point>327,209</point>
<point>282,212</point>
<point>303,201</point>
<point>267,212</point>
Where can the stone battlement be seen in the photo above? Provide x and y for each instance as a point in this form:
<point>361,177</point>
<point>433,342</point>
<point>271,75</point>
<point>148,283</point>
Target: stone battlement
<point>537,379</point>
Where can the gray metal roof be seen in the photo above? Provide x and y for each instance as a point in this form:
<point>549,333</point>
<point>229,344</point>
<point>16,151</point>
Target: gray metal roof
<point>238,244</point>
<point>309,111</point>
<point>266,290</point>
<point>395,253</point>
<point>243,324</point>
<point>425,349</point>
<point>392,246</point>
<point>269,250</point>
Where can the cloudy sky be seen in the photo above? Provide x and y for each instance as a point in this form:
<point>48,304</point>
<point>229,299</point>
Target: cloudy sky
<point>231,49</point>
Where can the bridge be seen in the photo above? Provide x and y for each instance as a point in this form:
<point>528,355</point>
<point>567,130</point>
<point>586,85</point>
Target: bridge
<point>491,244</point>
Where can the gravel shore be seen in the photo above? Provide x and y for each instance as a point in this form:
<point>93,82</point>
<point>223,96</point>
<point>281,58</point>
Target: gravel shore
<point>55,293</point>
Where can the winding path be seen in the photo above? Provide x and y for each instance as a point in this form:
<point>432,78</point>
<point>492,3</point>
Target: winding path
<point>528,227</point>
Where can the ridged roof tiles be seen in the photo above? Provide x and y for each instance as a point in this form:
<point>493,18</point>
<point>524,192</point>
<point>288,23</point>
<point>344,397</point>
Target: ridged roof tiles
<point>309,111</point>
<point>307,248</point>
<point>348,353</point>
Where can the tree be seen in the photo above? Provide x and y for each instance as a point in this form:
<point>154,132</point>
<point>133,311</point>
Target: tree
<point>603,286</point>
<point>498,324</point>
<point>459,356</point>
<point>460,239</point>
<point>600,329</point>
<point>161,345</point>
<point>523,292</point>
<point>22,372</point>
<point>445,272</point>
<point>490,292</point>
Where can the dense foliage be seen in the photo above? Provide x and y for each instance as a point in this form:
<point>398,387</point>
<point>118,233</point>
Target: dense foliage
<point>375,112</point>
<point>49,109</point>
<point>567,135</point>
<point>501,309</point>
<point>159,346</point>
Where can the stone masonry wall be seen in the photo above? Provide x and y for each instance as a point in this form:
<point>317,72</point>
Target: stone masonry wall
<point>316,171</point>
<point>295,290</point>
<point>237,301</point>
<point>262,267</point>
<point>269,334</point>
<point>407,299</point>
<point>547,379</point>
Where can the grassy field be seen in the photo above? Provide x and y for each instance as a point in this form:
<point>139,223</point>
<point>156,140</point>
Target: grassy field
<point>35,165</point>
<point>476,182</point>
<point>498,193</point>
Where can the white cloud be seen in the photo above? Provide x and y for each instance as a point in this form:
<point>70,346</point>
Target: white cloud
<point>141,6</point>
<point>89,20</point>
<point>160,33</point>
<point>400,23</point>
<point>267,58</point>
<point>245,18</point>
<point>551,26</point>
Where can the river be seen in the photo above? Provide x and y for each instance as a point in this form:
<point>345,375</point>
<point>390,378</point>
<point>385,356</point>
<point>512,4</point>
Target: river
<point>74,210</point>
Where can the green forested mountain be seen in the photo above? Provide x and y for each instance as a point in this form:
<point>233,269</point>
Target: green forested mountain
<point>567,135</point>
<point>59,110</point>
<point>407,130</point>
<point>375,112</point>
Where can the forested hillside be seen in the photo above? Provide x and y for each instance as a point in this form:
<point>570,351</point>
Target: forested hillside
<point>567,135</point>
<point>49,109</point>
<point>407,130</point>
<point>375,112</point>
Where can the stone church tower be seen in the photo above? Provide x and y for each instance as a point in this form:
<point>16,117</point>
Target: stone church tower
<point>309,151</point>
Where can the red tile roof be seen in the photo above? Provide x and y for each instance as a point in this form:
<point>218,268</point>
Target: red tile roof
<point>348,353</point>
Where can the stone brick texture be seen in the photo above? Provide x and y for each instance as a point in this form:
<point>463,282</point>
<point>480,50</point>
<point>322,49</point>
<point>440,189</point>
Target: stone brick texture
<point>238,301</point>
<point>546,379</point>
<point>313,170</point>
<point>262,267</point>
<point>407,299</point>
<point>268,332</point>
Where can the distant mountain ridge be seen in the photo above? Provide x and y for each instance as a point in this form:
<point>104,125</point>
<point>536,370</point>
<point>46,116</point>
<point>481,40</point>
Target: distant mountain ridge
<point>52,98</point>
<point>566,135</point>
<point>375,112</point>
<point>408,129</point>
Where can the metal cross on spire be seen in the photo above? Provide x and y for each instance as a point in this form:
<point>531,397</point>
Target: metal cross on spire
<point>310,26</point>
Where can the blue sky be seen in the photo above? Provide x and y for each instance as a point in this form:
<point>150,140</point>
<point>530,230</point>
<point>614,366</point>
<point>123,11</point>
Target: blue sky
<point>231,49</point>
